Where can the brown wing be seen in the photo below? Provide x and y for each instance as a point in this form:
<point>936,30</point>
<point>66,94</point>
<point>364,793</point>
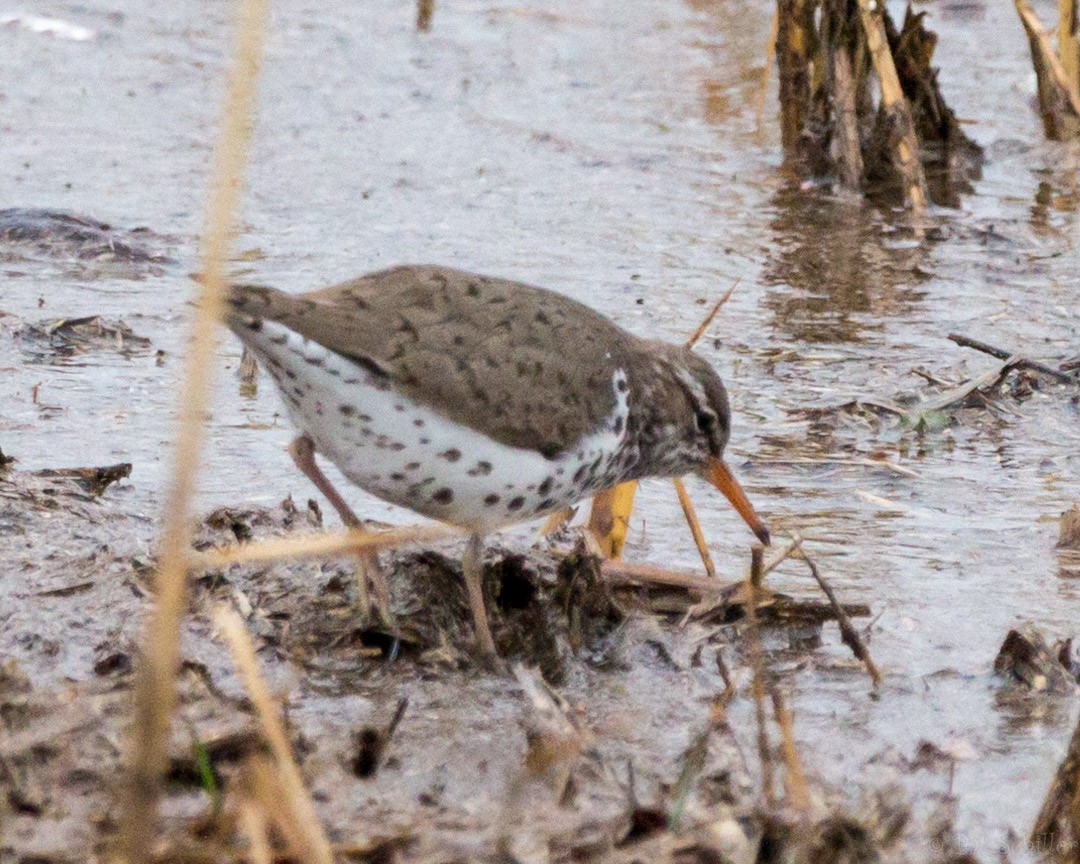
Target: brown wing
<point>523,365</point>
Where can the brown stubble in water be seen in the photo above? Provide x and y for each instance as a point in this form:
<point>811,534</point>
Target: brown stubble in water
<point>155,695</point>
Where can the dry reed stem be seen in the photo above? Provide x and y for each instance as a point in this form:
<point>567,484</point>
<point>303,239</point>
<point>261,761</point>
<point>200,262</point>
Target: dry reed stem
<point>154,692</point>
<point>314,846</point>
<point>893,102</point>
<point>848,633</point>
<point>794,779</point>
<point>695,527</point>
<point>1059,104</point>
<point>1068,45</point>
<point>770,52</point>
<point>252,826</point>
<point>318,545</point>
<point>757,684</point>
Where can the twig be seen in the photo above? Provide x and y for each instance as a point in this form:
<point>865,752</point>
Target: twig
<point>704,325</point>
<point>314,846</point>
<point>155,694</point>
<point>1002,354</point>
<point>794,779</point>
<point>695,527</point>
<point>757,685</point>
<point>848,634</point>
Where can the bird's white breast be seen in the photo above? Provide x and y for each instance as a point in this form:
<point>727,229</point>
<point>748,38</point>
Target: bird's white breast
<point>409,454</point>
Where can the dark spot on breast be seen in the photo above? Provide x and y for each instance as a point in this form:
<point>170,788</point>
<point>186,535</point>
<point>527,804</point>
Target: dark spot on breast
<point>425,441</point>
<point>579,475</point>
<point>516,503</point>
<point>255,325</point>
<point>397,475</point>
<point>482,469</point>
<point>491,500</point>
<point>451,455</point>
<point>546,504</point>
<point>280,339</point>
<point>545,487</point>
<point>399,408</point>
<point>418,422</point>
<point>347,410</point>
<point>618,425</point>
<point>443,496</point>
<point>412,466</point>
<point>550,449</point>
<point>314,361</point>
<point>290,374</point>
<point>397,446</point>
<point>622,385</point>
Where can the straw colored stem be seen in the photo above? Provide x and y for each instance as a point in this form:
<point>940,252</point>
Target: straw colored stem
<point>770,52</point>
<point>318,545</point>
<point>155,694</point>
<point>695,527</point>
<point>893,102</point>
<point>699,331</point>
<point>253,827</point>
<point>314,845</point>
<point>794,779</point>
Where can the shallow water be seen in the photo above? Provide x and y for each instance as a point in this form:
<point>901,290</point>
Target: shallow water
<point>611,152</point>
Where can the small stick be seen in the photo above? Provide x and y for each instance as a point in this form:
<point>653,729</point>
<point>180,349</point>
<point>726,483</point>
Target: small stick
<point>695,527</point>
<point>794,779</point>
<point>703,326</point>
<point>1002,354</point>
<point>848,634</point>
<point>315,846</point>
<point>757,686</point>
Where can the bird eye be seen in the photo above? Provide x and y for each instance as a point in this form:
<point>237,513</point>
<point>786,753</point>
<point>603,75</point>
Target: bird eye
<point>705,421</point>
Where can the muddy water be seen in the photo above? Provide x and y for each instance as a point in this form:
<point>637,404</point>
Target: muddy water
<point>611,151</point>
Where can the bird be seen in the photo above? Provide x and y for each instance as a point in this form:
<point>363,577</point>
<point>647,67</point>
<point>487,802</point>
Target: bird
<point>480,401</point>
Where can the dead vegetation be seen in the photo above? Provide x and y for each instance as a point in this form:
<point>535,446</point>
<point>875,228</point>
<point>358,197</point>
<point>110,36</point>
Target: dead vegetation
<point>860,102</point>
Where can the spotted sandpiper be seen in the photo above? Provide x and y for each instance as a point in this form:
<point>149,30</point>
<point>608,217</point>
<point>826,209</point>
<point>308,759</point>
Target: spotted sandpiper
<point>481,401</point>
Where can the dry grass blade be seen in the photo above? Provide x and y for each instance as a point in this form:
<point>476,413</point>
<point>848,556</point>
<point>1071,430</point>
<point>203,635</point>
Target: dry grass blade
<point>1068,44</point>
<point>893,102</point>
<point>794,779</point>
<point>319,545</point>
<point>708,319</point>
<point>757,684</point>
<point>314,846</point>
<point>154,693</point>
<point>695,527</point>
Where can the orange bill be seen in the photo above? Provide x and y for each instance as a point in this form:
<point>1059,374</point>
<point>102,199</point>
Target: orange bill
<point>721,477</point>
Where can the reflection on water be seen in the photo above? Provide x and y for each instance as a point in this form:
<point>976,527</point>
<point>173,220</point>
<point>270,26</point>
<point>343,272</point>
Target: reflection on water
<point>836,269</point>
